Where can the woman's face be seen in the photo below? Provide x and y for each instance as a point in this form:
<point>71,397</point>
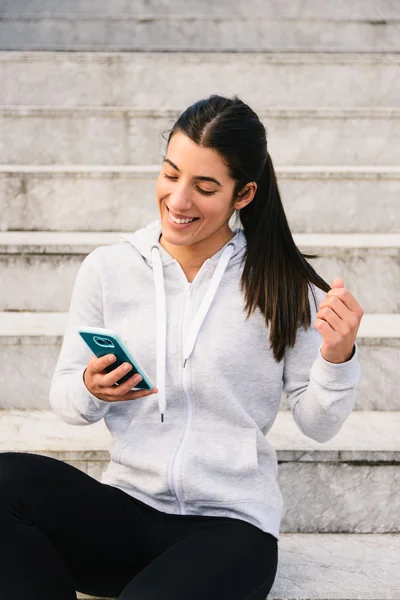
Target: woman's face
<point>194,183</point>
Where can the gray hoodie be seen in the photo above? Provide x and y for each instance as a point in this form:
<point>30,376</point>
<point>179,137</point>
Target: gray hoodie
<point>219,385</point>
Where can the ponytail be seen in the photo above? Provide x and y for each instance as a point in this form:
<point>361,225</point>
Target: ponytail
<point>276,274</point>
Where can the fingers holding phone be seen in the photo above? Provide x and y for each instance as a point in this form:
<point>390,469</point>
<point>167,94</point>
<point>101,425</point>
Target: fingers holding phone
<point>110,379</point>
<point>102,383</point>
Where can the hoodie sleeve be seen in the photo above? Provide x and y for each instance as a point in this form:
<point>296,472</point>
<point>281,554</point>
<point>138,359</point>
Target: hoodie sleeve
<point>320,394</point>
<point>69,397</point>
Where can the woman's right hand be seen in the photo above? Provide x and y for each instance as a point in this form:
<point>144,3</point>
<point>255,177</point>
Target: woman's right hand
<point>102,384</point>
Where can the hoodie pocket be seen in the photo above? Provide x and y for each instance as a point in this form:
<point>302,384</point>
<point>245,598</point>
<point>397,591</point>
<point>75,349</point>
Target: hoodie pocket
<point>221,465</point>
<point>146,448</point>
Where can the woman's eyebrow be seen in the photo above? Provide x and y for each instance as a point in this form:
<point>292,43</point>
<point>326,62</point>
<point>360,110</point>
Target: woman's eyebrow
<point>198,177</point>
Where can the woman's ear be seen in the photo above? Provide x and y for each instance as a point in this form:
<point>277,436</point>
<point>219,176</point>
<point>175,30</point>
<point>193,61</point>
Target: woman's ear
<point>246,195</point>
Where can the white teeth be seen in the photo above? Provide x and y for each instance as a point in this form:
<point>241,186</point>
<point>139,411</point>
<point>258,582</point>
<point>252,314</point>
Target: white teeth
<point>180,221</point>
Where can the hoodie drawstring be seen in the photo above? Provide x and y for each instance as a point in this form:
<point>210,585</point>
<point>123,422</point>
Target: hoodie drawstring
<point>197,321</point>
<point>161,312</point>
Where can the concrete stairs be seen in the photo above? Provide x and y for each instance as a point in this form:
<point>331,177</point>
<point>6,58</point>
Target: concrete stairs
<point>251,26</point>
<point>87,92</point>
<point>264,80</point>
<point>299,136</point>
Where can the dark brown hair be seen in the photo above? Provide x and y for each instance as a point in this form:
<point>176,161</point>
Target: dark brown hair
<point>276,275</point>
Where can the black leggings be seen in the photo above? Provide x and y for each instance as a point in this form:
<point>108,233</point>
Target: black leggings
<point>62,531</point>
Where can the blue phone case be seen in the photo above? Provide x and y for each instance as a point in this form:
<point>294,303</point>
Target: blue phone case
<point>105,341</point>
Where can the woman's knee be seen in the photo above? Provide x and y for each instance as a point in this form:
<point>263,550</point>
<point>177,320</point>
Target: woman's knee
<point>10,466</point>
<point>23,477</point>
<point>19,465</point>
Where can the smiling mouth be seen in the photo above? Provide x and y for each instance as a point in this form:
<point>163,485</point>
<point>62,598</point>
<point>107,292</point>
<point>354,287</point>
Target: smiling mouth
<point>182,220</point>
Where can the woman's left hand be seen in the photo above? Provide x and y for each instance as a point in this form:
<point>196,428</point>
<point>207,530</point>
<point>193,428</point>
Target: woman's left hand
<point>338,320</point>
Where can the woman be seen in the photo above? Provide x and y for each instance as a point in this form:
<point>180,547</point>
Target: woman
<point>189,506</point>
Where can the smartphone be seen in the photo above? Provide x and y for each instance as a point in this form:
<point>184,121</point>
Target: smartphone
<point>105,341</point>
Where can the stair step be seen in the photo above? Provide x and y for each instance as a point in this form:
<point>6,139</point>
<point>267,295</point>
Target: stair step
<point>122,135</point>
<point>371,10</point>
<point>180,32</point>
<point>344,485</point>
<point>60,198</point>
<point>286,79</point>
<point>30,344</point>
<point>46,264</point>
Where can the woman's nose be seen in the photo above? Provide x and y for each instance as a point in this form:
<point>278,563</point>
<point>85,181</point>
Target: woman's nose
<point>180,199</point>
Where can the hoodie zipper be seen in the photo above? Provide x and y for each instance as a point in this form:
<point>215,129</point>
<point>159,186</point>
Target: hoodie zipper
<point>177,461</point>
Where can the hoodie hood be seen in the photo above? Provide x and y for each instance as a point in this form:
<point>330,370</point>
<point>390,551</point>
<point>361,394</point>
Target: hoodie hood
<point>146,241</point>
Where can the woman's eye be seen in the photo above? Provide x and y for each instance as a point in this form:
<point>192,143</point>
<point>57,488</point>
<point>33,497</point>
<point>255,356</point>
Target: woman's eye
<point>205,193</point>
<point>172,178</point>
